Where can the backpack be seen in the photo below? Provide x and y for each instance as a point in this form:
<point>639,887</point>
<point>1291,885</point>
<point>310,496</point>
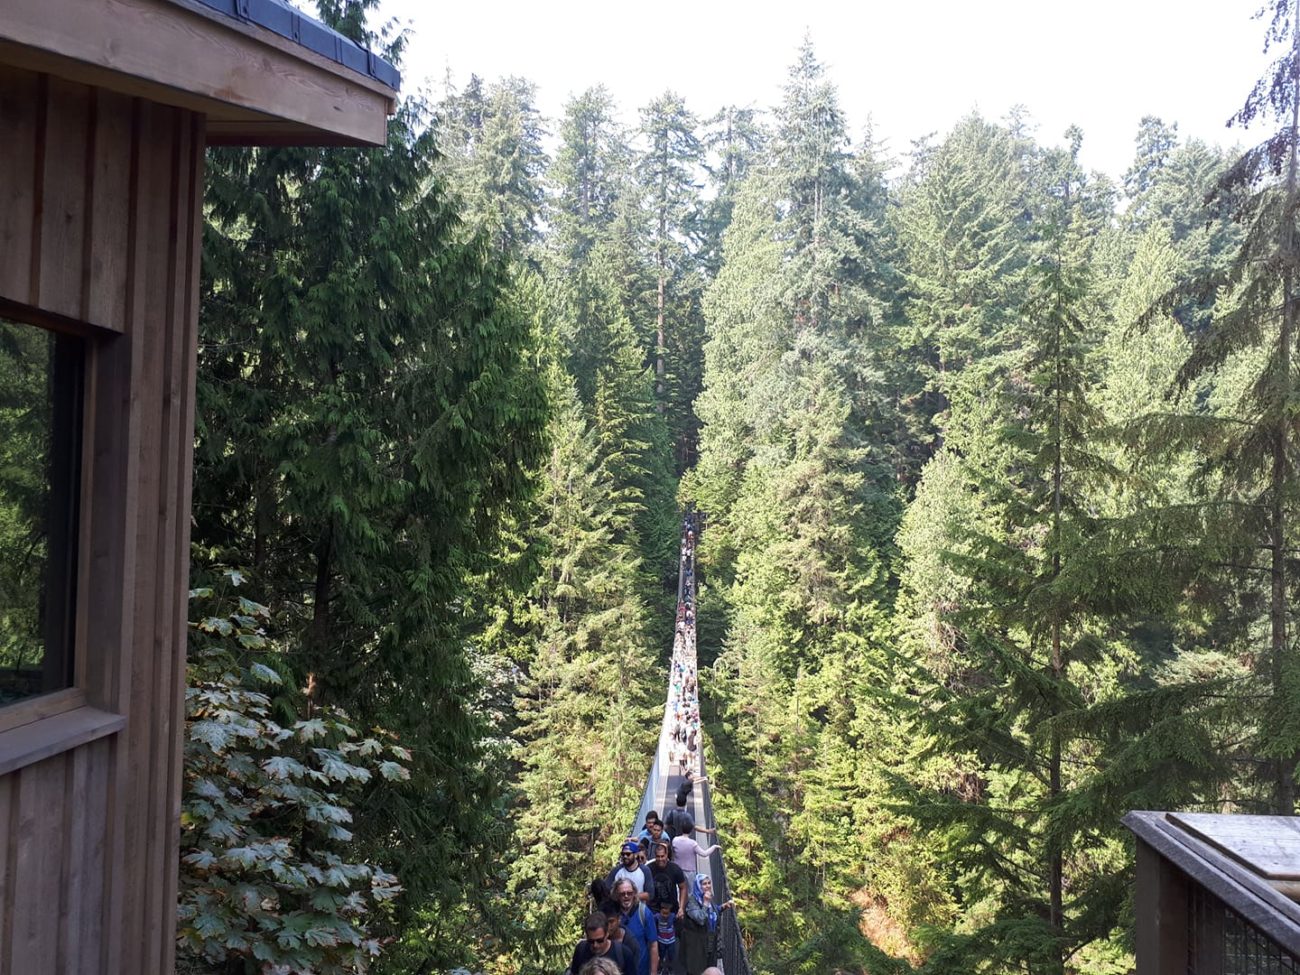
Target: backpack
<point>644,916</point>
<point>677,822</point>
<point>646,923</point>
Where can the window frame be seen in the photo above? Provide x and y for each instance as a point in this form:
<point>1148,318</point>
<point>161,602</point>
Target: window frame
<point>50,723</point>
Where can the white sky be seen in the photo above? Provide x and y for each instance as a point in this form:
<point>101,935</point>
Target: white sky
<point>913,67</point>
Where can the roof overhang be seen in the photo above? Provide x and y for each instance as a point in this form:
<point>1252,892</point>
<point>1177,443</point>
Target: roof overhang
<point>1188,841</point>
<point>255,85</point>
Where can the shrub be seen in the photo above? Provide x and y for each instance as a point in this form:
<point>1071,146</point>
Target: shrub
<point>266,883</point>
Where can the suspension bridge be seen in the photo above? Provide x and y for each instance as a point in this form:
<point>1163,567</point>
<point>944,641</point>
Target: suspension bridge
<point>727,950</point>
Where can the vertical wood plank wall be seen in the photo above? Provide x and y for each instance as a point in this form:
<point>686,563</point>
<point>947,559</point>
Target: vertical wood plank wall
<point>99,223</point>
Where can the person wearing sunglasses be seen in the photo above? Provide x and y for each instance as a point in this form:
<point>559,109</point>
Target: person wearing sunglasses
<point>597,943</point>
<point>631,867</point>
<point>635,919</point>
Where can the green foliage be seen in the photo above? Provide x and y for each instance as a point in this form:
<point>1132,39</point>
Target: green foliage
<point>668,170</point>
<point>963,233</point>
<point>994,464</point>
<point>370,405</point>
<point>583,701</point>
<point>269,868</point>
<point>26,432</point>
<point>1246,437</point>
<point>490,137</point>
<point>794,474</point>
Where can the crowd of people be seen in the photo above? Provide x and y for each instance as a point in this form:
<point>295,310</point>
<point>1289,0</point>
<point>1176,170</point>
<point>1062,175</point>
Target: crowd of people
<point>655,910</point>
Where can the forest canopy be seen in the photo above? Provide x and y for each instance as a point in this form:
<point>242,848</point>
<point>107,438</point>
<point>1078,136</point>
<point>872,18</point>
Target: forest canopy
<point>996,457</point>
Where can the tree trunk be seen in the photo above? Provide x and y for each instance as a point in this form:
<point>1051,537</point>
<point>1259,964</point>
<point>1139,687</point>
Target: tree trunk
<point>320,610</point>
<point>1056,864</point>
<point>1055,857</point>
<point>263,522</point>
<point>660,339</point>
<point>1284,785</point>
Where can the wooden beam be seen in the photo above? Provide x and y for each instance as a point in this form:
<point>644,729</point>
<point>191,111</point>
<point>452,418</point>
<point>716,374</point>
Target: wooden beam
<point>1267,845</point>
<point>174,54</point>
<point>1160,907</point>
<point>39,740</point>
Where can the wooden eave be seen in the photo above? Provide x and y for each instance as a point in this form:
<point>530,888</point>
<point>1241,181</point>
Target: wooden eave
<point>1239,887</point>
<point>255,87</point>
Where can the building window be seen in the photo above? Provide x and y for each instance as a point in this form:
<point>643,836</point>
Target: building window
<point>41,382</point>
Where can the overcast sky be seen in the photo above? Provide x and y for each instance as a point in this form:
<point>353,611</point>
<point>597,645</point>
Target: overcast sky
<point>912,67</point>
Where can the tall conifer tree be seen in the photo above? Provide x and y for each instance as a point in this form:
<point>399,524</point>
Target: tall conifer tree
<point>1254,448</point>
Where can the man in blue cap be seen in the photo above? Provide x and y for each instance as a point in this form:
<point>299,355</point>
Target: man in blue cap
<point>632,869</point>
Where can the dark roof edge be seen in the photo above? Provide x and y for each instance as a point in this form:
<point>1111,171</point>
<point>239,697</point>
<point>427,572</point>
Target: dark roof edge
<point>294,25</point>
<point>1241,890</point>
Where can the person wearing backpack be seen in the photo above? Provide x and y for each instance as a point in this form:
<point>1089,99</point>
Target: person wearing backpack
<point>636,919</point>
<point>596,943</point>
<point>677,822</point>
<point>614,929</point>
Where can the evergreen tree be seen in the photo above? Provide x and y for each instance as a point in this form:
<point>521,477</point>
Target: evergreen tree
<point>798,488</point>
<point>369,405</point>
<point>1252,447</point>
<point>1155,141</point>
<point>585,701</point>
<point>963,234</point>
<point>668,169</point>
<point>633,440</point>
<point>491,140</point>
<point>588,181</point>
<point>1034,678</point>
<point>735,142</point>
<point>1167,188</point>
<point>586,176</point>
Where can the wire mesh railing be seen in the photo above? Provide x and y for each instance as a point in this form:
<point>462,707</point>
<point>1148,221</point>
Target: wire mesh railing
<point>1222,942</point>
<point>730,945</point>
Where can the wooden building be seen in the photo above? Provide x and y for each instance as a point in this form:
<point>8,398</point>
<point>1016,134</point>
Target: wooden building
<point>105,109</point>
<point>1217,894</point>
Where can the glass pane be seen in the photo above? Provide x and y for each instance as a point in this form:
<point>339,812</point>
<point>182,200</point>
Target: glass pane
<point>40,420</point>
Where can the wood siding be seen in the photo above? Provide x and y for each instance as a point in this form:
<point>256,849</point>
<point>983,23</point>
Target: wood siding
<point>99,233</point>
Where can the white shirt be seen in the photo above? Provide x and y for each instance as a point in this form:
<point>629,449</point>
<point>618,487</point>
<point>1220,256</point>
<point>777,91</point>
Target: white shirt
<point>634,875</point>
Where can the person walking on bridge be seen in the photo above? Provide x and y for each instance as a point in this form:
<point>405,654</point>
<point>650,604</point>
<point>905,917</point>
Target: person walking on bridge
<point>686,851</point>
<point>678,821</point>
<point>597,944</point>
<point>669,880</point>
<point>632,870</point>
<point>619,936</point>
<point>666,928</point>
<point>700,930</point>
<point>656,835</point>
<point>635,919</point>
<point>688,783</point>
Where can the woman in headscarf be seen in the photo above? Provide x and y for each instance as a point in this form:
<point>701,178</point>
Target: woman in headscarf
<point>699,937</point>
